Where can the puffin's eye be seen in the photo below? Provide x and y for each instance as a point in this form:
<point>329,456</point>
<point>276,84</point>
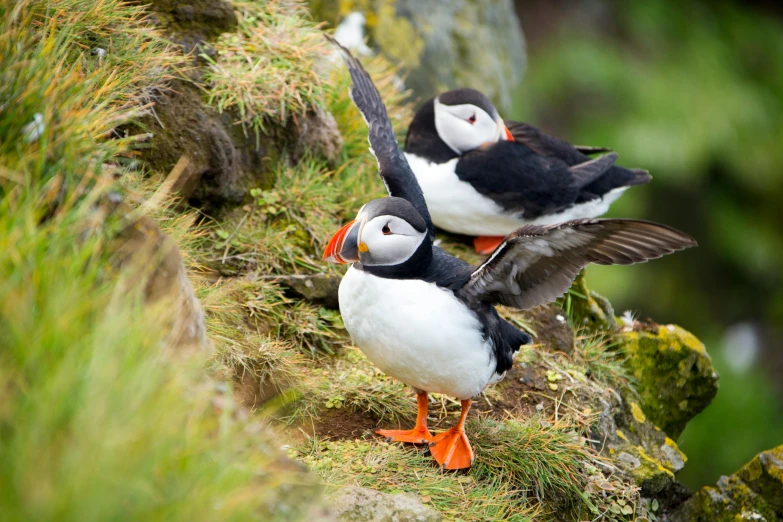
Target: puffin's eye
<point>472,119</point>
<point>386,230</point>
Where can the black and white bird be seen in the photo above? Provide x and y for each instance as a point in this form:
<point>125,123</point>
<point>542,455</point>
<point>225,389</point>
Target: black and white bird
<point>427,318</point>
<point>483,178</point>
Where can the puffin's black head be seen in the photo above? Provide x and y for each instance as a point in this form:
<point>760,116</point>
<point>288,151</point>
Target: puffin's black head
<point>387,232</point>
<point>453,123</point>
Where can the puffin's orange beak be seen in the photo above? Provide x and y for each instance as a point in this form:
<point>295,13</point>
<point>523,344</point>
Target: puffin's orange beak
<point>507,134</point>
<point>343,247</point>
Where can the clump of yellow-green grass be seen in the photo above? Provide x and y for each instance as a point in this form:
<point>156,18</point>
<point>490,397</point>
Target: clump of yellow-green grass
<point>533,468</point>
<point>349,382</point>
<point>73,70</point>
<point>99,419</point>
<point>524,469</point>
<point>267,70</point>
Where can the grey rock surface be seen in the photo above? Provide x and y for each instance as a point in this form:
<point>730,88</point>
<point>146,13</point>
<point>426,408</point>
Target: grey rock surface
<point>467,43</point>
<point>356,504</point>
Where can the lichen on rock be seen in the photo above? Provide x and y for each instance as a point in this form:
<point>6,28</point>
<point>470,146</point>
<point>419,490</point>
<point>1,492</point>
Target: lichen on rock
<point>639,448</point>
<point>673,373</point>
<point>764,475</point>
<point>754,492</point>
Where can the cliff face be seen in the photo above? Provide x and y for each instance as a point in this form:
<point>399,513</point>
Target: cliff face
<point>257,132</point>
<point>444,45</point>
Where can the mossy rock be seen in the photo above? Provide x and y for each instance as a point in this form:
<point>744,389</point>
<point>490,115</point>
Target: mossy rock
<point>639,448</point>
<point>673,372</point>
<point>755,492</point>
<point>764,475</point>
<point>590,310</point>
<point>191,23</point>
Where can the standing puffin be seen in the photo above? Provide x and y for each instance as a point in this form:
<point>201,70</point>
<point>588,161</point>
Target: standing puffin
<point>427,318</point>
<point>483,178</point>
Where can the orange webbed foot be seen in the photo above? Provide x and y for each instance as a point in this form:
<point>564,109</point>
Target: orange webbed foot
<point>418,435</point>
<point>451,449</point>
<point>487,244</point>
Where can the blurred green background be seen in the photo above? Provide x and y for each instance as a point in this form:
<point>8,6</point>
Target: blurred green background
<point>692,91</point>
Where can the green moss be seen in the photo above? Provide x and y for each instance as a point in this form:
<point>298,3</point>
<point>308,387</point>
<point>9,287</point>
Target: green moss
<point>587,309</point>
<point>730,501</point>
<point>754,492</point>
<point>670,367</point>
<point>764,475</point>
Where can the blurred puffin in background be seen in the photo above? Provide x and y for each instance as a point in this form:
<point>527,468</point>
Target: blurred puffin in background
<point>427,318</point>
<point>483,177</point>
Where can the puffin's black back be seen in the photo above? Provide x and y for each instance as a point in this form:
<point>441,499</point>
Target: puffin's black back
<point>518,179</point>
<point>552,147</point>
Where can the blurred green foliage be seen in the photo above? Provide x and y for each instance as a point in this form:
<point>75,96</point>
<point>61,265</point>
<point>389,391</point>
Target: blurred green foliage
<point>692,91</point>
<point>99,419</point>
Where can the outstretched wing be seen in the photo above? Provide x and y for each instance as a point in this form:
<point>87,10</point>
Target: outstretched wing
<point>392,165</point>
<point>537,264</point>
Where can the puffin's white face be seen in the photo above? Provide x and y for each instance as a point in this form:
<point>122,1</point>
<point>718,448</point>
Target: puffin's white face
<point>378,237</point>
<point>387,240</point>
<point>466,127</point>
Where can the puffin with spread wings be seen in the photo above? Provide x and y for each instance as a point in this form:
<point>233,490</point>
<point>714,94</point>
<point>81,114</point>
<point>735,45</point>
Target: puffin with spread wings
<point>484,177</point>
<point>427,318</point>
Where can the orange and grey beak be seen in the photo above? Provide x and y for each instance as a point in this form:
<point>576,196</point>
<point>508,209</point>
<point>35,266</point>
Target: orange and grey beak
<point>504,133</point>
<point>344,245</point>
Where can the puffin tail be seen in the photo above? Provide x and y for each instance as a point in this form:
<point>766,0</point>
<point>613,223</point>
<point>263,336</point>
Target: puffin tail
<point>634,176</point>
<point>615,178</point>
<point>508,340</point>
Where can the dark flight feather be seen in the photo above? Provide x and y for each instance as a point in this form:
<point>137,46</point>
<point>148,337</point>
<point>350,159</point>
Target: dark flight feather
<point>537,264</point>
<point>392,165</point>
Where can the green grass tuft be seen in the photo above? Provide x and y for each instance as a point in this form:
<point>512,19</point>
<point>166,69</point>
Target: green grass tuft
<point>393,468</point>
<point>267,71</point>
<point>350,381</point>
<point>524,468</point>
<point>99,419</point>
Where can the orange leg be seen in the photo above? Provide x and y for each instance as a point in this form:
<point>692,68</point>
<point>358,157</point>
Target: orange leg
<point>487,244</point>
<point>451,448</point>
<point>418,435</point>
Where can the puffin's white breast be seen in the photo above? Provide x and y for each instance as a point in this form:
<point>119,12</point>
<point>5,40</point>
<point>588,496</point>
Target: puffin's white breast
<point>457,207</point>
<point>417,333</point>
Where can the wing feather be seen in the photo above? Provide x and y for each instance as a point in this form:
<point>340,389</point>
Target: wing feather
<point>537,264</point>
<point>392,166</point>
